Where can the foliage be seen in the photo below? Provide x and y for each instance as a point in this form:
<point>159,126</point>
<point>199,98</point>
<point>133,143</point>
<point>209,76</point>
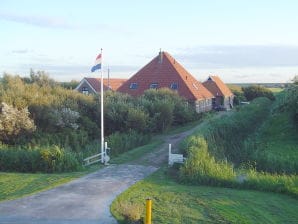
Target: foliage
<point>122,142</point>
<point>14,123</point>
<point>71,120</point>
<point>46,159</point>
<point>274,147</point>
<point>238,94</point>
<point>166,108</point>
<point>175,203</point>
<point>132,212</point>
<point>254,91</point>
<point>202,168</point>
<point>231,130</point>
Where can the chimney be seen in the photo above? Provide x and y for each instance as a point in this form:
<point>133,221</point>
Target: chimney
<point>160,56</point>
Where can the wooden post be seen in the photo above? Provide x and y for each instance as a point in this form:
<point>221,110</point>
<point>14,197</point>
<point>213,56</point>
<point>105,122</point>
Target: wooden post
<point>148,211</point>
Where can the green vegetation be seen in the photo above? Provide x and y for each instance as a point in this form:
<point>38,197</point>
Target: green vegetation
<point>47,159</point>
<point>16,185</point>
<point>252,139</point>
<point>54,128</point>
<point>232,129</point>
<point>176,203</point>
<point>254,91</point>
<point>136,153</point>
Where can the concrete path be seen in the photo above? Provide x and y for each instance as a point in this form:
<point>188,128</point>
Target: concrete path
<point>85,200</point>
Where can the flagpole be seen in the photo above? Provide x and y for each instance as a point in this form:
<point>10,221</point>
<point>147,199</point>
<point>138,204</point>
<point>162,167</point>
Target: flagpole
<point>101,111</point>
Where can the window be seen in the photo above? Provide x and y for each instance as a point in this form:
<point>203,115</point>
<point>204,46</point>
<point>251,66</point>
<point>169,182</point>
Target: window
<point>153,85</point>
<point>174,85</point>
<point>133,85</point>
<point>85,90</point>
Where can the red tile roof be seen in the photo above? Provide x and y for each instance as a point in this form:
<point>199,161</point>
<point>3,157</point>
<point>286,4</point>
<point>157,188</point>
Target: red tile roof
<point>216,86</point>
<point>165,70</point>
<point>113,83</point>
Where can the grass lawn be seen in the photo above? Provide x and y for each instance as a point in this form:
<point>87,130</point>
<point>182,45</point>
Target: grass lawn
<point>136,153</point>
<point>175,203</point>
<point>16,185</point>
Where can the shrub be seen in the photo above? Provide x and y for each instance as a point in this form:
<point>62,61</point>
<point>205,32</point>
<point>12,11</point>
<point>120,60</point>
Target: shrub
<point>132,212</point>
<point>122,142</point>
<point>254,91</point>
<point>287,184</point>
<point>202,168</point>
<point>49,159</point>
<point>14,123</point>
<point>226,135</point>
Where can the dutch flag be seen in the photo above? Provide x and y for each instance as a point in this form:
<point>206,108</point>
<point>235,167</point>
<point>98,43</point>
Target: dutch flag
<point>97,64</point>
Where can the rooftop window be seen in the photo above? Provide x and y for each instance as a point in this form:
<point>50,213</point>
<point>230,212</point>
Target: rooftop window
<point>195,86</point>
<point>133,85</point>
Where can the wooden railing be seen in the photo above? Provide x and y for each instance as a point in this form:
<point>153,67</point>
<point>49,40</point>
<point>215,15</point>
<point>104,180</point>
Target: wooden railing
<point>92,159</point>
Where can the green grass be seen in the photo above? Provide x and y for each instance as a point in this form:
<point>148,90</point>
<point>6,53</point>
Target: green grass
<point>275,90</point>
<point>182,128</point>
<point>175,203</point>
<point>16,185</point>
<point>136,153</point>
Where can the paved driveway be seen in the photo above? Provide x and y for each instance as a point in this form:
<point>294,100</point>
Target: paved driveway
<point>85,200</point>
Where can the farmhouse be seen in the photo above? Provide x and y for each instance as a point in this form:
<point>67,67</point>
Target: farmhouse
<point>92,85</point>
<point>164,71</point>
<point>223,97</point>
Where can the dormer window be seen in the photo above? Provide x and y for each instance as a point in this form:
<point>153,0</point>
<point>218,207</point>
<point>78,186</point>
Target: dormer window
<point>174,85</point>
<point>153,85</point>
<point>133,85</point>
<point>85,90</point>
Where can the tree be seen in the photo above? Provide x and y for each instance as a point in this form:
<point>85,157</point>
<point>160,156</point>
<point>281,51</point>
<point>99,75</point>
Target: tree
<point>254,91</point>
<point>14,123</point>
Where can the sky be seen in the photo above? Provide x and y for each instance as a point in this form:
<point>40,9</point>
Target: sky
<point>238,40</point>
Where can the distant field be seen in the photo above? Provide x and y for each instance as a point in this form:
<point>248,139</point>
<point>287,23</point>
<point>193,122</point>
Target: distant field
<point>175,203</point>
<point>276,89</point>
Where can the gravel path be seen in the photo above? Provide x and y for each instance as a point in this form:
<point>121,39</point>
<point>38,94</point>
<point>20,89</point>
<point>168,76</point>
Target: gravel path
<point>86,200</point>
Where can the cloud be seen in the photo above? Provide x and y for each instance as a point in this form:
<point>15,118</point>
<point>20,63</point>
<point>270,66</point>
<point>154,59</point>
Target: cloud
<point>38,20</point>
<point>240,56</point>
<point>20,51</point>
<point>61,23</point>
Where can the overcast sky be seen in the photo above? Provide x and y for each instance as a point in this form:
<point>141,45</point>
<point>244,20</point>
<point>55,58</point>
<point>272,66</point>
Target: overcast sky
<point>239,40</point>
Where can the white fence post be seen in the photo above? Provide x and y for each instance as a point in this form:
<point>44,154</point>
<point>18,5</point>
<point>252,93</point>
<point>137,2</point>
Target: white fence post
<point>174,158</point>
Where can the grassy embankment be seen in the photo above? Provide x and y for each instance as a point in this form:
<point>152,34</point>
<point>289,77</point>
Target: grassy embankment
<point>175,203</point>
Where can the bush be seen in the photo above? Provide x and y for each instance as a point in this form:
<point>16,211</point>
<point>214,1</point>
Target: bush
<point>49,159</point>
<point>287,184</point>
<point>254,91</point>
<point>132,212</point>
<point>232,130</point>
<point>122,142</point>
<point>201,168</point>
<point>14,123</point>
